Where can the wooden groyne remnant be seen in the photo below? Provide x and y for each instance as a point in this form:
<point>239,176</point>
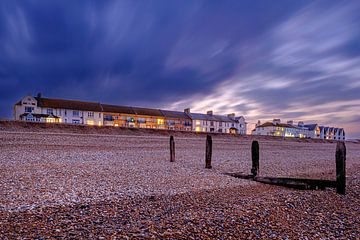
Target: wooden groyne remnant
<point>300,183</point>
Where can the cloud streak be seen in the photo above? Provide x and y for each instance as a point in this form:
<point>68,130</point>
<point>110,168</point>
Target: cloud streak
<point>294,60</point>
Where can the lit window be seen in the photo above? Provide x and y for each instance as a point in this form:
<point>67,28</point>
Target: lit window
<point>90,122</point>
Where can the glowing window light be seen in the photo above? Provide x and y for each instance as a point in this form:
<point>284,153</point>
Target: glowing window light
<point>116,125</point>
<point>197,129</point>
<point>90,122</point>
<point>160,121</point>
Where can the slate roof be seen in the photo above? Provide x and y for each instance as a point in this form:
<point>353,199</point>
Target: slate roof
<point>148,112</point>
<point>174,114</point>
<point>99,107</point>
<point>68,104</point>
<point>311,127</point>
<point>117,109</point>
<point>270,124</point>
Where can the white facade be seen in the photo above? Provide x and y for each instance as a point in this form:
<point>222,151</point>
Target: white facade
<point>301,130</point>
<point>30,105</point>
<point>217,123</point>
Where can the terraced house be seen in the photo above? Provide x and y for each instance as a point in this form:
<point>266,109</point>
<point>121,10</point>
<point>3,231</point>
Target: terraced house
<point>39,109</point>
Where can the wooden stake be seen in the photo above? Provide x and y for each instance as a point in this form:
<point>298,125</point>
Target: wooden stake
<point>172,149</point>
<point>208,152</point>
<point>255,158</point>
<point>340,167</point>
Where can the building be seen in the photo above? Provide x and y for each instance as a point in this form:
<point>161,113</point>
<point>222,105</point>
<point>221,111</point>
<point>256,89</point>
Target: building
<point>275,128</point>
<point>301,130</point>
<point>216,123</point>
<point>39,109</point>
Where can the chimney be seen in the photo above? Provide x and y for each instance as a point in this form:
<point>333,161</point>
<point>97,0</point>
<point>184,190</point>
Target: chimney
<point>290,122</point>
<point>209,113</point>
<point>187,110</point>
<point>276,121</point>
<point>39,95</point>
<point>231,115</point>
<point>258,123</point>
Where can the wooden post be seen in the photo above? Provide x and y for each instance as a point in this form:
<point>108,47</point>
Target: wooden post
<point>255,158</point>
<point>340,167</point>
<point>208,152</point>
<point>172,149</point>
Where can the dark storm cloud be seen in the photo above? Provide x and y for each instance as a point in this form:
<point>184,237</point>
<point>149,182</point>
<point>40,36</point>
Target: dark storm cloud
<point>257,58</point>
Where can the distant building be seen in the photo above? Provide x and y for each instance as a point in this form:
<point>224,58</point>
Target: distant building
<point>289,129</point>
<point>216,123</point>
<point>275,128</point>
<point>39,109</point>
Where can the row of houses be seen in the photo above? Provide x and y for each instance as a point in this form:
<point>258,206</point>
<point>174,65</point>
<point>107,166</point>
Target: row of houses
<point>301,130</point>
<point>40,109</point>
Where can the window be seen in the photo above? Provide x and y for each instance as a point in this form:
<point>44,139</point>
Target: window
<point>76,121</point>
<point>90,114</point>
<point>220,124</point>
<point>75,113</point>
<point>50,111</point>
<point>99,115</point>
<point>108,118</point>
<point>29,109</point>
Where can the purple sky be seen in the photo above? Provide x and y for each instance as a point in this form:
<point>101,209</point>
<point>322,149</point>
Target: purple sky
<point>296,60</point>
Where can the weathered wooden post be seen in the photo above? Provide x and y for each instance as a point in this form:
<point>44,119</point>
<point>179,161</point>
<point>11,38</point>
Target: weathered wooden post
<point>340,167</point>
<point>255,158</point>
<point>208,151</point>
<point>172,149</point>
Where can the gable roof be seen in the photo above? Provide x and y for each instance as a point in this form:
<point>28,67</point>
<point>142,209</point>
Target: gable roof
<point>311,127</point>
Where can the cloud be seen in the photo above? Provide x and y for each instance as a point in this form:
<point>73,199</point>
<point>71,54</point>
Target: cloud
<point>261,60</point>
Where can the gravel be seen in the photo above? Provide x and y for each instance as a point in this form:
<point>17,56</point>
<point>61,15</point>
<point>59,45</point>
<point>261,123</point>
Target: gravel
<point>83,186</point>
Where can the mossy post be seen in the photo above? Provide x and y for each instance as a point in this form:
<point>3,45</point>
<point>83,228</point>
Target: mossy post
<point>208,152</point>
<point>172,149</point>
<point>255,158</point>
<point>340,167</point>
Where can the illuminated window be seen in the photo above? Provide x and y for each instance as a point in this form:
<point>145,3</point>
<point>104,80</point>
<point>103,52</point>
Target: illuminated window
<point>90,122</point>
<point>160,121</point>
<point>197,129</point>
<point>198,122</point>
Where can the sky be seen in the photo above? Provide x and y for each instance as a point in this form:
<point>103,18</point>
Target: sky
<point>294,60</point>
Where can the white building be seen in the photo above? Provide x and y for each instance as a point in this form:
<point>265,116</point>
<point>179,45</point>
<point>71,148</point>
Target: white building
<point>217,123</point>
<point>276,128</point>
<point>38,109</point>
